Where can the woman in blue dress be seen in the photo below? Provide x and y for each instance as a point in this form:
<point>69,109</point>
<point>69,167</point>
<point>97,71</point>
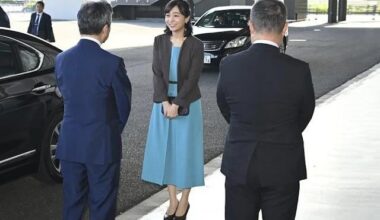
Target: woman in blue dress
<point>174,146</point>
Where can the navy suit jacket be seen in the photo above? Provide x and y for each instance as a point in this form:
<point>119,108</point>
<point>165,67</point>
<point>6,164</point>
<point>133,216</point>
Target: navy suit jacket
<point>268,99</point>
<point>45,29</point>
<point>97,101</point>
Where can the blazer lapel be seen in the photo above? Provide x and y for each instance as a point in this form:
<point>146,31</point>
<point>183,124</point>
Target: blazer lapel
<point>166,59</point>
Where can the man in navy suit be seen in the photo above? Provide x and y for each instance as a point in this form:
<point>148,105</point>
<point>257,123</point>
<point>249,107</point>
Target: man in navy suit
<point>40,23</point>
<point>268,100</point>
<point>97,100</point>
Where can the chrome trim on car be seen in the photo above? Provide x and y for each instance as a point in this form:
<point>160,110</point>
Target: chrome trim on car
<point>26,154</point>
<point>213,45</point>
<point>41,57</point>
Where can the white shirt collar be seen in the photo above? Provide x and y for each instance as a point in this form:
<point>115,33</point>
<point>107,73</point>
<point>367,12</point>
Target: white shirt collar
<point>266,42</point>
<point>91,39</point>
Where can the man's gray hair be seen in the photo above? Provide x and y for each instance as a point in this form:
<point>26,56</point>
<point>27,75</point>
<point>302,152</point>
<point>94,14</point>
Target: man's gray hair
<point>268,16</point>
<point>92,17</point>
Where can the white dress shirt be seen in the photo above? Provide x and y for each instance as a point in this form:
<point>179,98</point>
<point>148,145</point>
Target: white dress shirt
<point>91,39</point>
<point>266,42</point>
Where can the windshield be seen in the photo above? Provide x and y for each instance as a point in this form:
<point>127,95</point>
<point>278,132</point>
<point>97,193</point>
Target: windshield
<point>225,19</point>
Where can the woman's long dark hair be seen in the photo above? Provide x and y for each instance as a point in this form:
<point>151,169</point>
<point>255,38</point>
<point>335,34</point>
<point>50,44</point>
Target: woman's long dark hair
<point>184,8</point>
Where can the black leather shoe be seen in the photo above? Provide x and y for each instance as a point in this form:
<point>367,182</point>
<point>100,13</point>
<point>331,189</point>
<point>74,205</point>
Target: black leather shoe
<point>184,216</point>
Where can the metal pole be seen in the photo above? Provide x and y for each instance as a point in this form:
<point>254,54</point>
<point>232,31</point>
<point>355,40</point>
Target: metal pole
<point>342,10</point>
<point>333,6</point>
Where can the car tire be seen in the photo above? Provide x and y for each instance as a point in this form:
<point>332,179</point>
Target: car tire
<point>49,166</point>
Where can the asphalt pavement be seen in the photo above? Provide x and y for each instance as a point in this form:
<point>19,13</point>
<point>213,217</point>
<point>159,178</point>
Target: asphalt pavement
<point>336,53</point>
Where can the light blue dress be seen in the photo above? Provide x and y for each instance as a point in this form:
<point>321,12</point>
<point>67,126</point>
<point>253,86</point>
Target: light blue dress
<point>174,147</point>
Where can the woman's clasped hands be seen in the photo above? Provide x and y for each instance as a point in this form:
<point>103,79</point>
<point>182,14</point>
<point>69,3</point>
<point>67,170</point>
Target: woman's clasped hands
<point>170,110</point>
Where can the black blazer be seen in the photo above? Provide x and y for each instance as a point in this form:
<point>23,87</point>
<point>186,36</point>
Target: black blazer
<point>45,30</point>
<point>268,99</point>
<point>190,64</point>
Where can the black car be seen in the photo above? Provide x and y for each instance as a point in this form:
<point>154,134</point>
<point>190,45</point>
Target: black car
<point>223,31</point>
<point>31,107</point>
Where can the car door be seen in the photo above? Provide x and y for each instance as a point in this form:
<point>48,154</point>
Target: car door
<point>23,99</point>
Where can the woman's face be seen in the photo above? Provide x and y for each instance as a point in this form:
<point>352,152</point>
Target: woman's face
<point>175,20</point>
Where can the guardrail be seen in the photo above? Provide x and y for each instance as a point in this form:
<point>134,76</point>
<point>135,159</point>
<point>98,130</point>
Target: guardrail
<point>351,9</point>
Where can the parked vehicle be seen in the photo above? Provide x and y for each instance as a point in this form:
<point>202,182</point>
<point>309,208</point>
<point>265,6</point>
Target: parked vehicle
<point>223,31</point>
<point>31,107</point>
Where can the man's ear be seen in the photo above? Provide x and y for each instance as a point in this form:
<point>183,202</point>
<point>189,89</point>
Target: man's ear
<point>285,29</point>
<point>251,26</point>
<point>105,33</point>
<point>105,28</point>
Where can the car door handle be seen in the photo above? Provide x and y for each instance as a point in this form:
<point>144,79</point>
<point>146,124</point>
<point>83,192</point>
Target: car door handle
<point>41,88</point>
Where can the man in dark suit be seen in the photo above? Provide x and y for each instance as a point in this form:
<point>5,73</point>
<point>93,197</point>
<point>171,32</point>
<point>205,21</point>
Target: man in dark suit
<point>4,19</point>
<point>267,98</point>
<point>40,23</point>
<point>97,100</point>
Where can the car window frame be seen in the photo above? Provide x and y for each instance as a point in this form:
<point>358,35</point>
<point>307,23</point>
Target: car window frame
<point>40,55</point>
<point>218,11</point>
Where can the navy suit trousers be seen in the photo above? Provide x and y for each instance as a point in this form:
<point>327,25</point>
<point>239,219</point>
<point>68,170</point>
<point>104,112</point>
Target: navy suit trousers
<point>94,184</point>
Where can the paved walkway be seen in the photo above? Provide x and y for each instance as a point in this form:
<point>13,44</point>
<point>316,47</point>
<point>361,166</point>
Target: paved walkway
<point>343,158</point>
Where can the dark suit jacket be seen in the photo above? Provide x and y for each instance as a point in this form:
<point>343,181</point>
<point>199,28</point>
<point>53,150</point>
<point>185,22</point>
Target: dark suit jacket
<point>97,100</point>
<point>45,29</point>
<point>267,98</point>
<point>4,19</point>
<point>190,66</point>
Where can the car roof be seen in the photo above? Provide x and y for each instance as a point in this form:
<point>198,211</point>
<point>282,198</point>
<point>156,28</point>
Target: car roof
<point>230,7</point>
<point>21,36</point>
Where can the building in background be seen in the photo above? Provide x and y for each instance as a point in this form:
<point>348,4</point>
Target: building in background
<point>132,9</point>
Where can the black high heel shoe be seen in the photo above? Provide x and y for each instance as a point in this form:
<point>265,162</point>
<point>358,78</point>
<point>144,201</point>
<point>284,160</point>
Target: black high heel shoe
<point>170,217</point>
<point>184,216</point>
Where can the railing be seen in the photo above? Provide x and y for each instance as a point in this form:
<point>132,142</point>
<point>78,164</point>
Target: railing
<point>351,9</point>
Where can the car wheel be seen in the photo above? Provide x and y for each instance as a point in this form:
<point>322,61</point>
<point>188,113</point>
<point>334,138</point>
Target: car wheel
<point>49,166</point>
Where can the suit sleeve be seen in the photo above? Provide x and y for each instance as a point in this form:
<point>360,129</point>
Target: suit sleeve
<point>49,29</point>
<point>30,24</point>
<point>221,96</point>
<point>308,101</point>
<point>194,74</point>
<point>123,93</point>
<point>159,85</point>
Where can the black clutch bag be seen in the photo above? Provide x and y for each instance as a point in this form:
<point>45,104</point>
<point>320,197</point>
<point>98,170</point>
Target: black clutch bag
<point>181,110</point>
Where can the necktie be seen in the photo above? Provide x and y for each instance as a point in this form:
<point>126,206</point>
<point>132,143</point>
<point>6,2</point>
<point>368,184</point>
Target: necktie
<point>36,23</point>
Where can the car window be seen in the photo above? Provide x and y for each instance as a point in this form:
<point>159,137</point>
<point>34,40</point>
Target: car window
<point>29,59</point>
<point>7,61</point>
<point>225,19</point>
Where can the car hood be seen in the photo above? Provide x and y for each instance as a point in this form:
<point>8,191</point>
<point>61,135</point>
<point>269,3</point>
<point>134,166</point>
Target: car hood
<point>210,34</point>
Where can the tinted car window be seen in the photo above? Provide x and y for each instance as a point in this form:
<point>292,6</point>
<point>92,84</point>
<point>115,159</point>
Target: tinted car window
<point>7,61</point>
<point>225,19</point>
<point>29,59</point>
<point>49,54</point>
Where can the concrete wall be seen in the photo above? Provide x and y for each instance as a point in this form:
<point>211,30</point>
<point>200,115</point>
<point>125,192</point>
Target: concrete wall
<point>300,9</point>
<point>63,10</point>
<point>68,9</point>
<point>297,9</point>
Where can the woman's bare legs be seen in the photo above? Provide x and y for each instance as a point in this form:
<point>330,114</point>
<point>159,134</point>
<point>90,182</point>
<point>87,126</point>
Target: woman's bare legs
<point>183,203</point>
<point>173,200</point>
